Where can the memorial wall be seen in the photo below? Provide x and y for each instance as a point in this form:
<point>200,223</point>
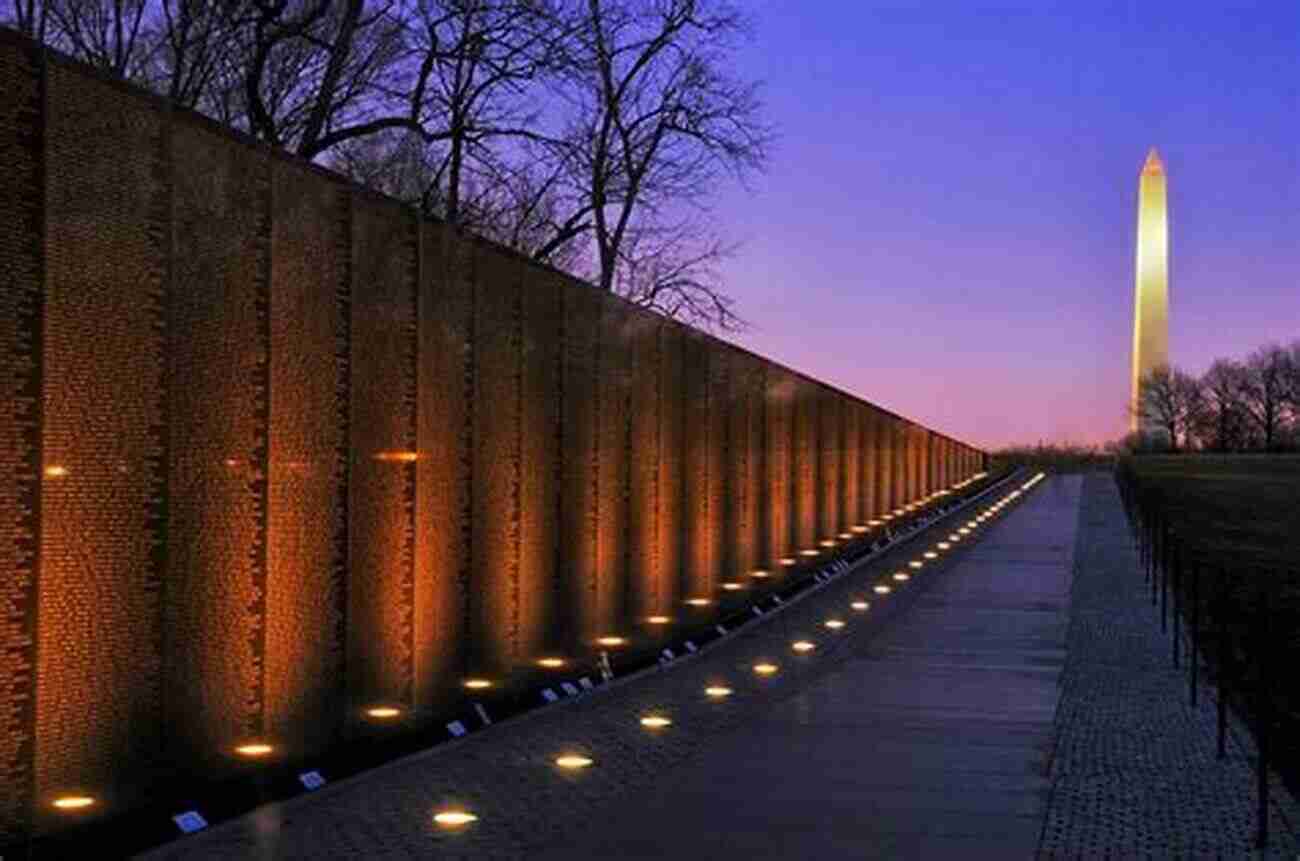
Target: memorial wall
<point>278,451</point>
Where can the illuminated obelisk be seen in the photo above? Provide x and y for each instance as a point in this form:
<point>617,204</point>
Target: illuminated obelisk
<point>1151,299</point>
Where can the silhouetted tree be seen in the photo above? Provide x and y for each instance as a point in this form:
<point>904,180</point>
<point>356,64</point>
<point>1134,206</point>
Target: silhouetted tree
<point>1168,398</point>
<point>1266,391</point>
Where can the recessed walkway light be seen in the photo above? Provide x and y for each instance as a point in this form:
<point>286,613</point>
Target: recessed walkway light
<point>732,587</point>
<point>477,684</point>
<point>802,646</point>
<point>573,761</point>
<point>254,750</point>
<point>901,576</point>
<point>765,669</point>
<point>859,605</point>
<point>658,620</point>
<point>611,641</point>
<point>454,818</point>
<point>550,663</point>
<point>717,691</point>
<point>760,574</point>
<point>882,589</point>
<point>834,624</point>
<point>73,802</point>
<point>787,561</point>
<point>915,563</point>
<point>383,712</point>
<point>930,554</point>
<point>655,721</point>
<point>698,602</point>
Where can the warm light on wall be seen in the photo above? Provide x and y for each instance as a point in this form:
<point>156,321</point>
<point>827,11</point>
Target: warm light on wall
<point>658,620</point>
<point>845,536</point>
<point>765,669</point>
<point>550,663</point>
<point>732,587</point>
<point>383,712</point>
<point>698,602</point>
<point>802,646</point>
<point>787,561</point>
<point>573,761</point>
<point>827,542</point>
<point>759,575</point>
<point>611,641</point>
<point>809,552</point>
<point>655,721</point>
<point>254,750</point>
<point>477,684</point>
<point>56,471</point>
<point>717,691</point>
<point>73,802</point>
<point>863,527</point>
<point>454,818</point>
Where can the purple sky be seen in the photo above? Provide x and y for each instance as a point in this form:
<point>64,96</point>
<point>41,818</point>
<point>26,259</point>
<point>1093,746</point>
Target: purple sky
<point>946,227</point>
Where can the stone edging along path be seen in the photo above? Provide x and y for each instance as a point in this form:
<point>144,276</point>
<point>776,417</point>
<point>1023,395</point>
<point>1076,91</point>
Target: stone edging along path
<point>1134,768</point>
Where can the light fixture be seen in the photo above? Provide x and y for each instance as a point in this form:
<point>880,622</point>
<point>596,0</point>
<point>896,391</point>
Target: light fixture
<point>550,663</point>
<point>732,587</point>
<point>859,605</point>
<point>954,537</point>
<point>827,542</point>
<point>717,691</point>
<point>834,624</point>
<point>760,574</point>
<point>915,563</point>
<point>882,589</point>
<point>383,712</point>
<point>943,545</point>
<point>861,527</point>
<point>73,802</point>
<point>787,561</point>
<point>846,535</point>
<point>477,684</point>
<point>765,669</point>
<point>254,750</point>
<point>802,646</point>
<point>698,602</point>
<point>658,620</point>
<point>963,531</point>
<point>901,576</point>
<point>55,471</point>
<point>930,554</point>
<point>809,552</point>
<point>573,761</point>
<point>454,818</point>
<point>611,641</point>
<point>655,721</point>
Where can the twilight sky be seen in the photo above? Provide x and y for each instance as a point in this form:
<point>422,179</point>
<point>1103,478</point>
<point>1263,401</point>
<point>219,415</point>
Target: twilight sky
<point>946,227</point>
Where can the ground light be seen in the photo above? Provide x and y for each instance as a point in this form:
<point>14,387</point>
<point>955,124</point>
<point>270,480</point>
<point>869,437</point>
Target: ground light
<point>717,691</point>
<point>254,750</point>
<point>477,684</point>
<point>943,545</point>
<point>930,554</point>
<point>573,761</point>
<point>383,712</point>
<point>901,576</point>
<point>655,722</point>
<point>732,587</point>
<point>698,602</point>
<point>788,561</point>
<point>834,624</point>
<point>881,589</point>
<point>550,663</point>
<point>915,563</point>
<point>760,575</point>
<point>765,669</point>
<point>809,552</point>
<point>612,641</point>
<point>658,620</point>
<point>859,605</point>
<point>802,646</point>
<point>73,802</point>
<point>454,818</point>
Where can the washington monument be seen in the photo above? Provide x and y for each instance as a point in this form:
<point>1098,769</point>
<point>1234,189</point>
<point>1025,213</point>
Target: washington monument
<point>1151,298</point>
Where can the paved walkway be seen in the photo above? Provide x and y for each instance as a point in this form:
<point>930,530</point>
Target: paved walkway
<point>931,741</point>
<point>1012,700</point>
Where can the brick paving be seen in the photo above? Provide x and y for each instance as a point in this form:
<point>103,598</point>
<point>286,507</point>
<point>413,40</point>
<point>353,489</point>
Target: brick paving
<point>1134,768</point>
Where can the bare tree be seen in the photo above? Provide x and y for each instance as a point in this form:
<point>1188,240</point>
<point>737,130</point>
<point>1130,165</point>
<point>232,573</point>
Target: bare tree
<point>108,34</point>
<point>1266,392</point>
<point>29,17</point>
<point>1222,423</point>
<point>1167,400</point>
<point>655,119</point>
<point>672,272</point>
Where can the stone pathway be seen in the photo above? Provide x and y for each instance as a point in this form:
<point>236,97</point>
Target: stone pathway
<point>1134,769</point>
<point>1014,699</point>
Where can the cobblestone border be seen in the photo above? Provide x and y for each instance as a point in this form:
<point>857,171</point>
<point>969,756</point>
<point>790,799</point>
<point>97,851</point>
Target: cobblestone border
<point>1134,768</point>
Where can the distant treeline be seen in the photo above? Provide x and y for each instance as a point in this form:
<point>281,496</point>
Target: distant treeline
<point>1057,457</point>
<point>1249,405</point>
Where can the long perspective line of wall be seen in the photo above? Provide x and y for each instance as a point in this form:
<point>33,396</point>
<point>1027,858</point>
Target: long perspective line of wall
<point>278,450</point>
